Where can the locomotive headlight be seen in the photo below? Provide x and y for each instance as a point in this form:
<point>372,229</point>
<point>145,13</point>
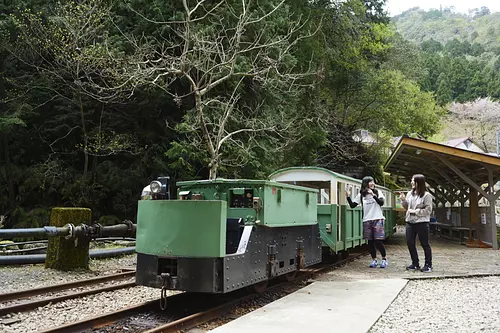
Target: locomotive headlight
<point>155,186</point>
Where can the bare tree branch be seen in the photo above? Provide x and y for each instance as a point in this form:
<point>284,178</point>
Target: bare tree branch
<point>231,51</point>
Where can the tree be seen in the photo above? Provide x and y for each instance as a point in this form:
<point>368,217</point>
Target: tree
<point>405,57</point>
<point>375,11</point>
<point>221,53</point>
<point>444,94</point>
<point>431,46</point>
<point>478,120</point>
<point>74,63</point>
<point>11,114</point>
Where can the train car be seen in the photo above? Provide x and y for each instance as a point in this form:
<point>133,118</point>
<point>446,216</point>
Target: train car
<point>222,235</point>
<point>341,227</point>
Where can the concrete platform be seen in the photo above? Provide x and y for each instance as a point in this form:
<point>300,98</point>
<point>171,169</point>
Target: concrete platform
<point>353,297</point>
<point>334,306</point>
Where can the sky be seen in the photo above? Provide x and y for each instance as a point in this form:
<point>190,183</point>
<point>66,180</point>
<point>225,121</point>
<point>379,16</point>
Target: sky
<point>396,7</point>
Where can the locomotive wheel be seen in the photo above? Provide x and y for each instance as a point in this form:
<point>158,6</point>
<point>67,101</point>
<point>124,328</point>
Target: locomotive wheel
<point>290,276</point>
<point>260,287</point>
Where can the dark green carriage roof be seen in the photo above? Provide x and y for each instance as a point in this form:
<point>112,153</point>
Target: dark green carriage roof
<point>242,182</point>
<point>332,173</point>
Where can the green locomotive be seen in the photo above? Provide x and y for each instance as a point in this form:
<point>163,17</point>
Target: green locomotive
<point>222,235</point>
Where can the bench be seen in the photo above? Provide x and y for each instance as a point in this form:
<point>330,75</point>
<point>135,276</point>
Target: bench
<point>451,232</point>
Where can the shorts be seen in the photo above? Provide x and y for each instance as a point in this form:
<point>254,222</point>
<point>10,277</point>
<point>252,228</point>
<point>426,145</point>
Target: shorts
<point>374,229</point>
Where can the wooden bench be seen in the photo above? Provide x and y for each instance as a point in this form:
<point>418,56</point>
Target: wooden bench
<point>451,232</point>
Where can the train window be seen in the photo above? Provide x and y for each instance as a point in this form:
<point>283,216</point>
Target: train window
<point>350,190</point>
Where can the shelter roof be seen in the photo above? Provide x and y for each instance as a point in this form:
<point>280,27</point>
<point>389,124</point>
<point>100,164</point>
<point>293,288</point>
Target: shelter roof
<point>441,164</point>
<point>456,142</point>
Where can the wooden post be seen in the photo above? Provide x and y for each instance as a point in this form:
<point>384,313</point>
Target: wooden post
<point>474,220</point>
<point>473,214</point>
<point>67,254</point>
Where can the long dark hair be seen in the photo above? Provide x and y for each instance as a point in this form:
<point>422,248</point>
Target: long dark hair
<point>364,186</point>
<point>420,187</point>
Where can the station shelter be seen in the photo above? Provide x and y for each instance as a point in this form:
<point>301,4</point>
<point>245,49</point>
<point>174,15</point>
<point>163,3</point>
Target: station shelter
<point>462,183</point>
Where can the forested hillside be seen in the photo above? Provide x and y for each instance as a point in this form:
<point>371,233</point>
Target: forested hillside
<point>100,97</point>
<point>459,52</point>
<point>460,62</point>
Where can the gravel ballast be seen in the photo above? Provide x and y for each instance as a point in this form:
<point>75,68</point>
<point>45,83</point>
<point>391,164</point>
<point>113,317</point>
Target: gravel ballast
<point>444,305</point>
<point>15,278</point>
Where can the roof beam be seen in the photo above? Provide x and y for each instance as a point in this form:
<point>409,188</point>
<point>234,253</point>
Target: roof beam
<point>445,176</point>
<point>462,175</point>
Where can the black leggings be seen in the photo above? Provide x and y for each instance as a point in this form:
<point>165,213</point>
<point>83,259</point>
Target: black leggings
<point>373,245</point>
<point>422,230</point>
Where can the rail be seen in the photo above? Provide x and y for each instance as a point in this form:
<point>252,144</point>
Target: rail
<point>174,301</point>
<point>21,305</point>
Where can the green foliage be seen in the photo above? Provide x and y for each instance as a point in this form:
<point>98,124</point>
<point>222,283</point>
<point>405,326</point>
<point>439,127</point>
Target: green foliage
<point>444,92</point>
<point>462,48</point>
<point>8,122</point>
<point>76,130</point>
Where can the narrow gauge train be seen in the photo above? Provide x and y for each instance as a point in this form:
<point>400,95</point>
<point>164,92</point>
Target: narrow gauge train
<point>222,235</point>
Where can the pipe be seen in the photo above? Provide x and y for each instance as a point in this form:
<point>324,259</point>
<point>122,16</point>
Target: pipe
<point>15,252</point>
<point>40,258</point>
<point>126,229</point>
<point>23,243</point>
<point>32,232</point>
<point>118,230</point>
<point>128,239</point>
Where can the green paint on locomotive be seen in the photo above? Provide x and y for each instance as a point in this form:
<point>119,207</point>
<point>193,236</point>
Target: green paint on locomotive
<point>185,228</point>
<point>197,228</point>
<point>275,205</point>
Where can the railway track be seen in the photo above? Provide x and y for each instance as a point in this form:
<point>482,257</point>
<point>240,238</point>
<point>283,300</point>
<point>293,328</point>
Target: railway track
<point>184,310</point>
<point>19,301</point>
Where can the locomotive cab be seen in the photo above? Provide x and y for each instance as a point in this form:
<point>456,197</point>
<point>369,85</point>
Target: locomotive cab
<point>223,235</point>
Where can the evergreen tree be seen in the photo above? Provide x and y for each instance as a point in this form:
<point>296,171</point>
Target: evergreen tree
<point>444,93</point>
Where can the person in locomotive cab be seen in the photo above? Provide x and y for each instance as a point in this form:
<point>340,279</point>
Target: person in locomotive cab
<point>418,205</point>
<point>371,202</point>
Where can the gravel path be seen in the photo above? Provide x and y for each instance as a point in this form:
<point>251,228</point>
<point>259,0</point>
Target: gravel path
<point>448,305</point>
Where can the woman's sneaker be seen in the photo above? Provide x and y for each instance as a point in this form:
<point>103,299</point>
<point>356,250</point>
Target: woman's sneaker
<point>426,269</point>
<point>374,263</point>
<point>384,263</point>
<point>412,267</point>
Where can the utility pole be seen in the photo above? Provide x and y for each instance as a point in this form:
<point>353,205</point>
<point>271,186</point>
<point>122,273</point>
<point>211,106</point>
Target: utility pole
<point>498,142</point>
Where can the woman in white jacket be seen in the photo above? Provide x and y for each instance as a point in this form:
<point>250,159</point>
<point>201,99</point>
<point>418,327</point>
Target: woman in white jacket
<point>371,202</point>
<point>418,205</point>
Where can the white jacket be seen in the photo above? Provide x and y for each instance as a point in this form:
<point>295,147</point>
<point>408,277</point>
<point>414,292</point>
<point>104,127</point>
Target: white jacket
<point>422,205</point>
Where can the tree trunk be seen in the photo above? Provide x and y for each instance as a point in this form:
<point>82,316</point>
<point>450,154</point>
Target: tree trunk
<point>213,170</point>
<point>4,143</point>
<point>68,254</point>
<point>85,141</point>
<point>213,165</point>
<point>8,170</point>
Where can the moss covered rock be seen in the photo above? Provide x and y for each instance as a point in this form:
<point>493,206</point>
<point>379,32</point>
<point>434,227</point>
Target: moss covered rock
<point>67,254</point>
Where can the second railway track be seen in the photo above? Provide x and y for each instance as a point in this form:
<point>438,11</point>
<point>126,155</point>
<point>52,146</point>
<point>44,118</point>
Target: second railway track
<point>19,301</point>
